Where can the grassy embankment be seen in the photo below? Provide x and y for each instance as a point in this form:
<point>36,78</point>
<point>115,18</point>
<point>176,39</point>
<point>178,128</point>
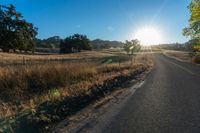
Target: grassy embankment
<point>34,96</point>
<point>183,56</point>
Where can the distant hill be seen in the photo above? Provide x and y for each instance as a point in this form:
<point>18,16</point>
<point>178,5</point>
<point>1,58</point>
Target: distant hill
<point>52,42</point>
<point>105,44</point>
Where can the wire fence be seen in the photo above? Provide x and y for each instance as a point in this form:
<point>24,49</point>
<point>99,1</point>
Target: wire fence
<point>5,62</point>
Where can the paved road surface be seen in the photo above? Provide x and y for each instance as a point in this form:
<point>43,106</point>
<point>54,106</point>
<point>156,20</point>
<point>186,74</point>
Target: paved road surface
<point>168,102</point>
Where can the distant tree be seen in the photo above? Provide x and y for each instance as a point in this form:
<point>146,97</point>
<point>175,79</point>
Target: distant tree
<point>105,44</point>
<point>191,44</point>
<point>75,43</point>
<point>127,46</point>
<point>132,46</point>
<point>193,30</point>
<point>15,32</point>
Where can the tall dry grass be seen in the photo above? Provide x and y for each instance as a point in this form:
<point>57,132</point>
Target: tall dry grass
<point>19,58</point>
<point>26,87</point>
<point>21,83</point>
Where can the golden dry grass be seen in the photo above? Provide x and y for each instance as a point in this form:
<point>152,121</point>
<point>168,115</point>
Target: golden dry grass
<point>26,87</point>
<point>15,58</point>
<point>184,56</point>
<point>179,55</point>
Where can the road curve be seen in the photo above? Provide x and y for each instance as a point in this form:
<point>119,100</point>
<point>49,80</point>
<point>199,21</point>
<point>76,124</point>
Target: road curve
<point>168,102</point>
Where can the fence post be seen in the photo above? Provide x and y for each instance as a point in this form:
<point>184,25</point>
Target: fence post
<point>2,61</point>
<point>23,60</point>
<point>119,63</point>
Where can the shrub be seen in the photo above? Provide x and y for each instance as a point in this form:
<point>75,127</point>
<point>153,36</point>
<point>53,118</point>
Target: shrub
<point>196,59</point>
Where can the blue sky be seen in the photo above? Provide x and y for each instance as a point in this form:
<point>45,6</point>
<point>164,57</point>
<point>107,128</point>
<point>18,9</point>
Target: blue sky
<point>105,19</point>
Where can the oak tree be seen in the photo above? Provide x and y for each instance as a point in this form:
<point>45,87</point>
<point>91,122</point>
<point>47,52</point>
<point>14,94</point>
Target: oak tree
<point>15,32</point>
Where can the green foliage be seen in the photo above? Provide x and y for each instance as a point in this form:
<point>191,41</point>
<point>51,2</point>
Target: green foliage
<point>115,59</point>
<point>132,46</point>
<point>15,32</point>
<point>193,31</point>
<point>105,44</point>
<point>75,43</point>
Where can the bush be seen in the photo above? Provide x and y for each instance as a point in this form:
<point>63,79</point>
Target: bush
<point>75,43</point>
<point>196,59</point>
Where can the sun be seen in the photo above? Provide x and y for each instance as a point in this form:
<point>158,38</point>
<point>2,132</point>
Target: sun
<point>148,36</point>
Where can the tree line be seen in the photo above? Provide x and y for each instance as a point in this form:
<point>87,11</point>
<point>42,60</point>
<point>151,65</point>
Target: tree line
<point>106,44</point>
<point>18,34</point>
<point>54,42</point>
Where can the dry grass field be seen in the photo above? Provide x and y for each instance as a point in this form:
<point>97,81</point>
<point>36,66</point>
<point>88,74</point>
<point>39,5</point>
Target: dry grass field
<point>183,56</point>
<point>24,89</point>
<point>179,55</point>
<point>13,58</point>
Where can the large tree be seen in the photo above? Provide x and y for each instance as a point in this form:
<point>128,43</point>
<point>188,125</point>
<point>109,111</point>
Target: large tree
<point>193,30</point>
<point>132,46</point>
<point>75,43</point>
<point>15,32</point>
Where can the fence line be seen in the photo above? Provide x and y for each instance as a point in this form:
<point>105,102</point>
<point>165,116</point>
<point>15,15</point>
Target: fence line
<point>29,61</point>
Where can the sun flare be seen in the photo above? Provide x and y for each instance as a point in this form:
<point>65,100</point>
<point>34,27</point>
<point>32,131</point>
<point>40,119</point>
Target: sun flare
<point>148,36</point>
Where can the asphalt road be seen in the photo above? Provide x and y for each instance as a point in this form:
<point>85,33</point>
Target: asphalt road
<point>168,102</point>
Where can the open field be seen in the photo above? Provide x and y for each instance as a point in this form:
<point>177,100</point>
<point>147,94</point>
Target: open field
<point>40,94</point>
<point>26,59</point>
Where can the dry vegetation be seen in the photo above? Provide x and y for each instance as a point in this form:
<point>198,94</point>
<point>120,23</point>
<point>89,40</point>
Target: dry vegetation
<point>61,87</point>
<point>196,59</point>
<point>179,55</point>
<point>13,58</point>
<point>183,56</point>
